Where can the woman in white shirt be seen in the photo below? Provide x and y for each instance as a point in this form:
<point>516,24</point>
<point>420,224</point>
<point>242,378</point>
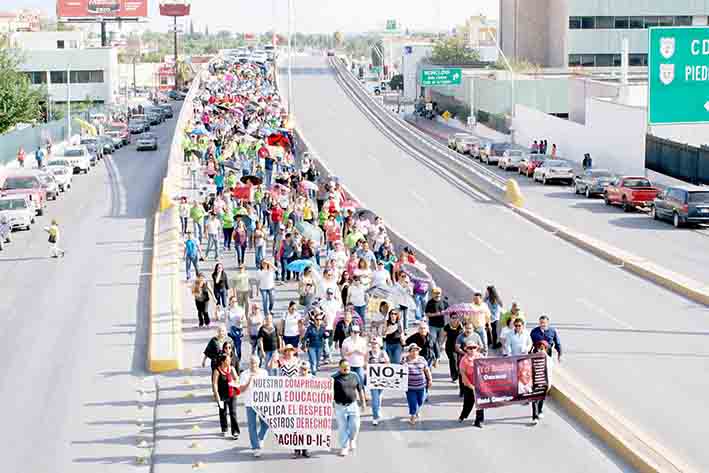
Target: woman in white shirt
<point>235,321</point>
<point>266,279</point>
<point>504,333</point>
<point>258,428</point>
<point>357,296</point>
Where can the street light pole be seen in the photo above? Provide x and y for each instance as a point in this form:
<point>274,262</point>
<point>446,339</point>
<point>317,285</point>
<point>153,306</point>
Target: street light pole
<point>175,39</point>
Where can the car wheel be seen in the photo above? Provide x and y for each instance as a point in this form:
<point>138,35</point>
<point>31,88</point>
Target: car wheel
<point>577,191</point>
<point>606,199</point>
<point>31,222</point>
<point>40,212</point>
<point>626,206</point>
<point>676,220</point>
<point>588,193</point>
<point>544,180</point>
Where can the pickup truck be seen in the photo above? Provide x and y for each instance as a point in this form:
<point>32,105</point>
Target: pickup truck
<point>630,192</point>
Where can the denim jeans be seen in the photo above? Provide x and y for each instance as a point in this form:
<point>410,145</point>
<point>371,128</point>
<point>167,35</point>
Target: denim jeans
<point>483,336</point>
<point>269,176</point>
<point>420,304</point>
<point>347,423</point>
<point>314,354</point>
<point>359,370</point>
<point>376,403</point>
<point>393,351</point>
<point>220,295</point>
<point>259,256</point>
<point>361,311</point>
<point>190,262</point>
<point>267,300</point>
<point>193,175</point>
<point>197,230</point>
<point>212,243</point>
<point>256,350</point>
<point>267,359</point>
<point>258,428</point>
<point>183,222</point>
<point>227,237</point>
<point>436,336</point>
<point>415,399</point>
<point>240,253</point>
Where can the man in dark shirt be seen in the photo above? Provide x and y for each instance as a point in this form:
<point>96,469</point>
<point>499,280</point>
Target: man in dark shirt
<point>347,388</point>
<point>548,334</point>
<point>423,339</point>
<point>436,320</point>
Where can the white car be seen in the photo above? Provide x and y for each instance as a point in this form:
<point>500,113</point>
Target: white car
<point>79,158</point>
<point>511,159</point>
<point>554,170</point>
<point>453,139</point>
<point>62,174</point>
<point>467,145</point>
<point>19,210</point>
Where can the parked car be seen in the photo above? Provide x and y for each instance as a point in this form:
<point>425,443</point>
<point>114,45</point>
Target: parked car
<point>468,145</point>
<point>147,141</point>
<point>530,162</point>
<point>630,192</point>
<point>79,157</point>
<point>107,143</point>
<point>94,147</point>
<point>492,153</point>
<point>18,210</point>
<point>138,126</point>
<point>5,231</point>
<point>511,159</point>
<point>176,95</point>
<point>116,138</point>
<point>167,109</point>
<point>682,205</point>
<point>592,182</point>
<point>154,110</point>
<point>453,139</point>
<point>554,170</point>
<point>153,118</point>
<point>27,184</point>
<point>120,128</point>
<point>51,187</point>
<point>63,176</point>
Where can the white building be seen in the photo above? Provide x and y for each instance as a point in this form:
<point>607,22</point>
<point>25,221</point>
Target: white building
<point>69,70</point>
<point>411,55</point>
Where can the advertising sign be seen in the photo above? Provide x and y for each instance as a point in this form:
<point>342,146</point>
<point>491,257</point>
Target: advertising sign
<point>102,8</point>
<point>500,381</point>
<point>388,377</point>
<point>441,76</point>
<point>678,75</point>
<point>298,410</point>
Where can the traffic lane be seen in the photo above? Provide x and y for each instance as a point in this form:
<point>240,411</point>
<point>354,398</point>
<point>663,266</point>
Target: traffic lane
<point>683,251</point>
<point>486,243</point>
<point>75,352</point>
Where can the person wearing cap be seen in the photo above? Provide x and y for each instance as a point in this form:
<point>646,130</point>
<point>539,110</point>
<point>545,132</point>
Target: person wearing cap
<point>436,320</point>
<point>354,350</point>
<point>467,376</point>
<point>348,387</point>
<point>420,381</point>
<point>376,356</point>
<point>315,338</point>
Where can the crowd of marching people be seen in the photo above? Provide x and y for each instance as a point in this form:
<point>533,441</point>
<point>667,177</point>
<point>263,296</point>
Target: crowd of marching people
<point>360,299</point>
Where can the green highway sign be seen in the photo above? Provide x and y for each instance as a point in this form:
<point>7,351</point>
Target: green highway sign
<point>678,75</point>
<point>441,76</point>
<point>391,25</point>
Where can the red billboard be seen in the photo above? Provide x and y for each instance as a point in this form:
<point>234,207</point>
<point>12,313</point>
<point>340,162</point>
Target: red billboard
<point>102,8</point>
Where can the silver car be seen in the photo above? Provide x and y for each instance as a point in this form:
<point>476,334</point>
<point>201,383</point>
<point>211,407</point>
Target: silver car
<point>147,141</point>
<point>554,170</point>
<point>18,210</point>
<point>63,175</point>
<point>453,139</point>
<point>467,145</point>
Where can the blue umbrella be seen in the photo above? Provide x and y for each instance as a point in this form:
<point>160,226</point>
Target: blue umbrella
<point>298,266</point>
<point>198,131</point>
<point>309,231</point>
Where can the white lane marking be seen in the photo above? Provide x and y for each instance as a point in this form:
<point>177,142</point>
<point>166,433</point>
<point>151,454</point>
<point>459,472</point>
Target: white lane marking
<point>418,197</point>
<point>479,195</point>
<point>119,182</point>
<point>487,245</point>
<point>600,310</point>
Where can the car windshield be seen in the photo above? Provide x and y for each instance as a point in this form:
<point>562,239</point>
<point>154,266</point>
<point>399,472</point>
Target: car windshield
<point>59,162</point>
<point>147,136</point>
<point>637,183</point>
<point>600,174</point>
<point>13,204</point>
<point>73,152</point>
<point>699,197</point>
<point>19,183</point>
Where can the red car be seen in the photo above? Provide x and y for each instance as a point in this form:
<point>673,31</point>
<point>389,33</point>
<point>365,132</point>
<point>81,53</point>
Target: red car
<point>26,184</point>
<point>121,128</point>
<point>631,192</point>
<point>530,162</point>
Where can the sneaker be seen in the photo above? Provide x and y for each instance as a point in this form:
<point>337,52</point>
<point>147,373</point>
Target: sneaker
<point>541,415</point>
<point>535,421</point>
<point>305,453</point>
<point>257,453</point>
<point>235,435</point>
<point>478,425</point>
<point>344,452</point>
<point>375,422</point>
<point>225,434</point>
<point>353,444</point>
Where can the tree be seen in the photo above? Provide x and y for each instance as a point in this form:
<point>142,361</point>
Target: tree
<point>19,101</point>
<point>453,51</point>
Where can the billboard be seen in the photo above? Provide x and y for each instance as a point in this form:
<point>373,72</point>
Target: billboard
<point>102,8</point>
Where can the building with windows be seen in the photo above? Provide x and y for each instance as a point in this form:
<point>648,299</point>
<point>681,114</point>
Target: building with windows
<point>584,33</point>
<point>70,71</point>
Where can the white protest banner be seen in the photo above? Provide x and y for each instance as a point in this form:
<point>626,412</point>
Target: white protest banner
<point>389,377</point>
<point>298,410</point>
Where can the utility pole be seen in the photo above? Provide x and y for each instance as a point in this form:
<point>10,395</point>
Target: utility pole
<point>177,88</point>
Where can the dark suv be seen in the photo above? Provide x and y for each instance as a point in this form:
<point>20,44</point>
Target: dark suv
<point>682,205</point>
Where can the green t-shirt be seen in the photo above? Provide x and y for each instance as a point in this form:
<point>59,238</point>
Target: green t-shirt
<point>227,220</point>
<point>231,181</point>
<point>197,213</point>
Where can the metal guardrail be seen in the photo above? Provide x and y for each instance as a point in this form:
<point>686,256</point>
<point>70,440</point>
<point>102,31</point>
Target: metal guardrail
<point>415,139</point>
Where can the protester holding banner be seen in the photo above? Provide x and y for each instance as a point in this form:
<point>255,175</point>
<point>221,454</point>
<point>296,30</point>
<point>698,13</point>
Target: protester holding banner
<point>258,428</point>
<point>376,356</point>
<point>467,377</point>
<point>420,381</point>
<point>225,389</point>
<point>348,387</point>
<point>538,406</point>
<point>393,336</point>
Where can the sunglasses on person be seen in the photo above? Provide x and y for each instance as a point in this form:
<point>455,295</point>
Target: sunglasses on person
<point>518,325</point>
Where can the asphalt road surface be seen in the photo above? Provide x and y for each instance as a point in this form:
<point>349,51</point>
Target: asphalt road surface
<point>637,346</point>
<point>684,250</point>
<point>73,342</point>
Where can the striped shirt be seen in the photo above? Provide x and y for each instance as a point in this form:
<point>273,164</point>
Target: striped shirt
<point>417,378</point>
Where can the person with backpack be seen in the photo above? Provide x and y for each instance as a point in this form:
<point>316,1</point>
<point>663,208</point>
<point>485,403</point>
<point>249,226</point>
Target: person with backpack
<point>39,157</point>
<point>191,255</point>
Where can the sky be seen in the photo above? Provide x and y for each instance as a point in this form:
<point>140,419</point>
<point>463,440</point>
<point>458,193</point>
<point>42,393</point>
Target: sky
<point>312,16</point>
